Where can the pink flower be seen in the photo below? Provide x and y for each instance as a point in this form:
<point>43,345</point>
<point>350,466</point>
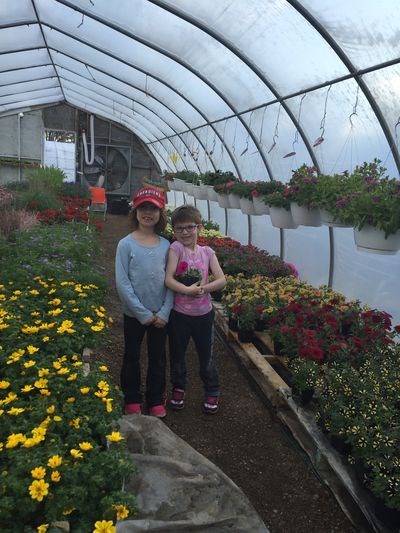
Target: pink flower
<point>181,268</point>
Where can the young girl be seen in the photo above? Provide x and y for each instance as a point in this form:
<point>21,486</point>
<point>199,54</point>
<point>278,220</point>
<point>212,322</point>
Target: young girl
<point>192,314</point>
<point>146,303</point>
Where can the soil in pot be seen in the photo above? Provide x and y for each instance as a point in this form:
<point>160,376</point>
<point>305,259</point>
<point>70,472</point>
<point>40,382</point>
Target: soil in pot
<point>188,280</point>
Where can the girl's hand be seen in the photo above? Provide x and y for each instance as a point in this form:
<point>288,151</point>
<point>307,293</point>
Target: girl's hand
<point>150,321</point>
<point>194,290</point>
<point>159,322</point>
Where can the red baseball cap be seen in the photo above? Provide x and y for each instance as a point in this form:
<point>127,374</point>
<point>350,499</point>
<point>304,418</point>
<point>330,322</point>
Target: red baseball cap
<point>149,194</point>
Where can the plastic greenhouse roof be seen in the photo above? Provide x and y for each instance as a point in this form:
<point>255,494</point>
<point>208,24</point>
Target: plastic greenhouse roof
<point>255,87</point>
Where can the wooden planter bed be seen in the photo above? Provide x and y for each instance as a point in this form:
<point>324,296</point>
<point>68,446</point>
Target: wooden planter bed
<point>268,372</point>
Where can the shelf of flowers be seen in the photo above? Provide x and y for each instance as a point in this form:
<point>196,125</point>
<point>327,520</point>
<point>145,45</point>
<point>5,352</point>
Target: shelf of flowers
<point>331,368</point>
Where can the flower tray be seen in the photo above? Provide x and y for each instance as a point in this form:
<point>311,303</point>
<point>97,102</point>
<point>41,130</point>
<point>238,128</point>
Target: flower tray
<point>264,367</point>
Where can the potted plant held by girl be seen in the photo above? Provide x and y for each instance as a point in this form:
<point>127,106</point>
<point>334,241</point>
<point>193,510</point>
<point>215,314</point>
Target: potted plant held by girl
<point>187,275</point>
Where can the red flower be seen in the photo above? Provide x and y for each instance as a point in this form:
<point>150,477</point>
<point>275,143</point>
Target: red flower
<point>181,268</point>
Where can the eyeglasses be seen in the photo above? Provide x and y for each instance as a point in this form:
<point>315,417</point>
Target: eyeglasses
<point>190,228</point>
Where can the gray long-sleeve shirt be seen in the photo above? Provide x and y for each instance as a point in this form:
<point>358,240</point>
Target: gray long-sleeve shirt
<point>140,279</point>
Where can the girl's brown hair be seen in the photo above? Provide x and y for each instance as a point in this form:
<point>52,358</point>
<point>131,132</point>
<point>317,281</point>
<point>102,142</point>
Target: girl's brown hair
<point>186,213</point>
<point>158,228</point>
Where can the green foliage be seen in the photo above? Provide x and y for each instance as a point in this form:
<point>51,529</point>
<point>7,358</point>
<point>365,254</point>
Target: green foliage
<point>188,175</point>
<point>279,197</point>
<point>67,251</point>
<point>46,178</point>
<point>372,199</point>
<point>243,189</point>
<point>38,200</point>
<point>74,190</point>
<point>302,186</point>
<point>217,177</point>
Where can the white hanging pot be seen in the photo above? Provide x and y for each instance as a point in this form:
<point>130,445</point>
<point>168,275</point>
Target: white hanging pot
<point>281,218</point>
<point>234,201</point>
<point>178,183</point>
<point>304,216</point>
<point>259,206</point>
<point>171,185</point>
<point>370,239</point>
<point>223,200</point>
<point>328,220</point>
<point>247,207</point>
<point>212,195</point>
<point>189,188</point>
<point>198,193</point>
<point>204,190</point>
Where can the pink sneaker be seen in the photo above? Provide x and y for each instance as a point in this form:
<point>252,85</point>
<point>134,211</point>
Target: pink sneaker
<point>133,409</point>
<point>158,411</point>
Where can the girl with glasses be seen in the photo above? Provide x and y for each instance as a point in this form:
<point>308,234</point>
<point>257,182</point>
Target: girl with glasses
<point>192,315</point>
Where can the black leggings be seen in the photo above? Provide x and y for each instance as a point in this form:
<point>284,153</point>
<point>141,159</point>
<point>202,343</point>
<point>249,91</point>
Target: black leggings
<point>131,379</point>
<point>201,328</point>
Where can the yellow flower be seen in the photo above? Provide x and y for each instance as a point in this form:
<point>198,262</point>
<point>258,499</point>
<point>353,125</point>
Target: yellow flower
<point>38,489</point>
<point>45,339</point>
<point>29,363</point>
<point>72,377</point>
<point>76,454</point>
<point>39,472</point>
<point>29,329</point>
<point>85,446</point>
<point>103,368</point>
<point>4,384</point>
<point>85,390</point>
<point>55,301</point>
<point>104,526</point>
<point>43,528</point>
<point>54,461</point>
<point>43,372</point>
<point>57,418</point>
<point>14,439</point>
<point>55,476</point>
<point>15,411</point>
<point>32,349</point>
<point>71,399</point>
<point>88,320</point>
<point>75,423</point>
<point>27,388</point>
<point>115,436</point>
<point>55,312</point>
<point>66,327</point>
<point>51,409</point>
<point>122,511</point>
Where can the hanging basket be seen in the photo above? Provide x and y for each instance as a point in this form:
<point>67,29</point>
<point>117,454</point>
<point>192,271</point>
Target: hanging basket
<point>259,206</point>
<point>247,207</point>
<point>304,216</point>
<point>212,195</point>
<point>370,239</point>
<point>190,188</point>
<point>234,201</point>
<point>223,200</point>
<point>281,218</point>
<point>328,220</point>
<point>198,193</point>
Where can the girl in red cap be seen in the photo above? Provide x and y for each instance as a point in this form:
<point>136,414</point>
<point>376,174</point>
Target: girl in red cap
<point>140,265</point>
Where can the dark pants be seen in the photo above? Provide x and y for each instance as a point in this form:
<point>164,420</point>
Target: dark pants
<point>131,381</point>
<point>201,329</point>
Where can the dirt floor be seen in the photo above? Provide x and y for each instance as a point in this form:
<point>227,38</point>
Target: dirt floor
<point>244,439</point>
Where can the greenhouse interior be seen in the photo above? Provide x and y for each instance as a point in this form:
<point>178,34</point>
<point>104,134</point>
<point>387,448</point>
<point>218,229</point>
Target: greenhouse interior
<point>279,120</point>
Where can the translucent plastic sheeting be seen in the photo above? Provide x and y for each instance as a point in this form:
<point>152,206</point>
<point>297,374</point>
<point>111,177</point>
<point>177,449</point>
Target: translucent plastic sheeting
<point>371,278</point>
